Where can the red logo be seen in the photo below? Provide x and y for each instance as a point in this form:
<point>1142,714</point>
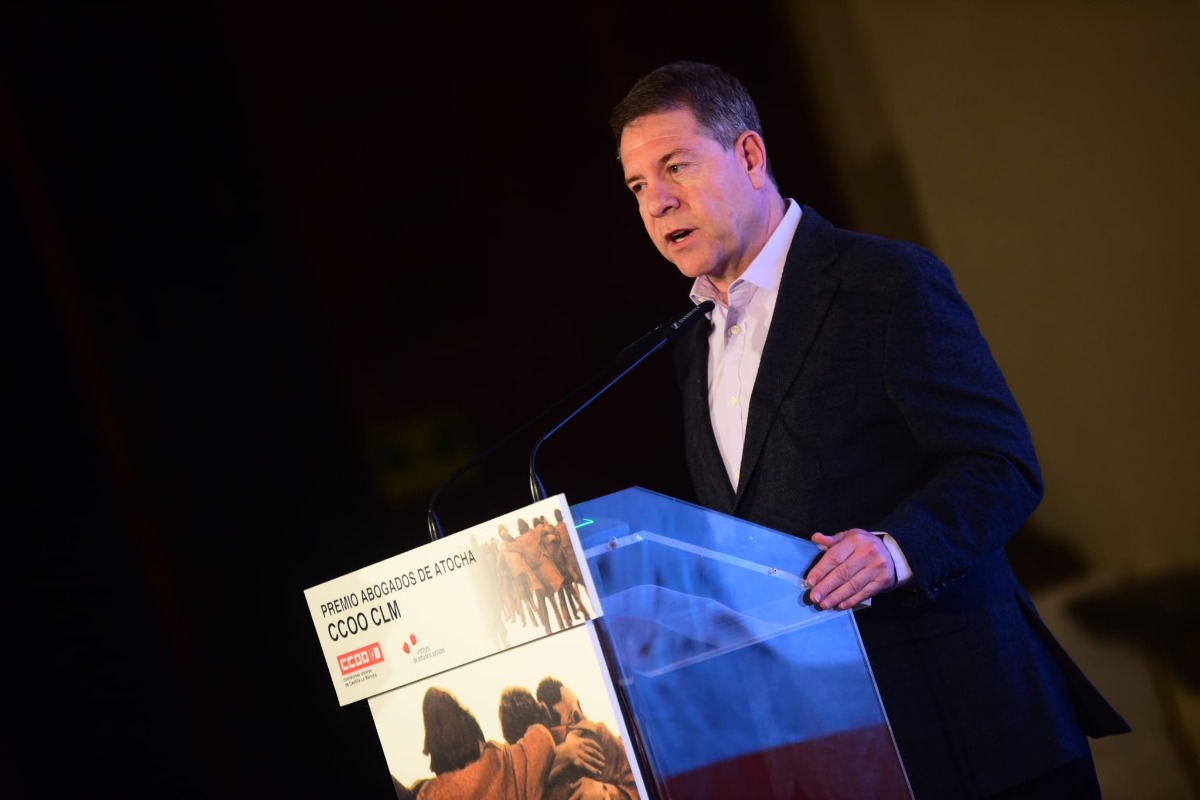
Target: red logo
<point>412,637</point>
<point>360,658</point>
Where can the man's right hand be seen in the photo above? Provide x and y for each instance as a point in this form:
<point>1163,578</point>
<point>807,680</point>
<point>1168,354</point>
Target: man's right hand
<point>580,751</point>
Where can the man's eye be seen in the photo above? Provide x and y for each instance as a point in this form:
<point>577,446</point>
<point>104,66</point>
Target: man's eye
<point>674,168</point>
<point>636,188</point>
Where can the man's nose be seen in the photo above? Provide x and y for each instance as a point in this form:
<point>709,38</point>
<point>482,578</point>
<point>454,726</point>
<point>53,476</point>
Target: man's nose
<point>660,200</point>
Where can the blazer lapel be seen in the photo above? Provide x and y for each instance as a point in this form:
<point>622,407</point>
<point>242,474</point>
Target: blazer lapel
<point>805,294</point>
<point>702,444</point>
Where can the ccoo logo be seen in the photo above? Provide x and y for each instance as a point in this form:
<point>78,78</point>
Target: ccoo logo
<point>361,658</point>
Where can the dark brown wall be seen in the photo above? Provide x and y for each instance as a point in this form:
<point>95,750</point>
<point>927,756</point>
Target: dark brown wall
<point>274,274</point>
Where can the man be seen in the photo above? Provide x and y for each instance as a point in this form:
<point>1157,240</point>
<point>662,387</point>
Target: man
<point>615,781</point>
<point>545,579</point>
<point>556,541</point>
<point>579,770</point>
<point>844,393</point>
<point>518,578</point>
<point>465,764</point>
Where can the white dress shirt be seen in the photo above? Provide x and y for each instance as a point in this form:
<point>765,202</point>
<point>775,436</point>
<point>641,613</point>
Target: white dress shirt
<point>739,332</point>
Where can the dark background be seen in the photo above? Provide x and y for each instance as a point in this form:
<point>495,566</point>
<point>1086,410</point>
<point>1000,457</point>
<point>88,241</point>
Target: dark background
<point>273,273</point>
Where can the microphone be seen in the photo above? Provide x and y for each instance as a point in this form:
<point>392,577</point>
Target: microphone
<point>629,357</point>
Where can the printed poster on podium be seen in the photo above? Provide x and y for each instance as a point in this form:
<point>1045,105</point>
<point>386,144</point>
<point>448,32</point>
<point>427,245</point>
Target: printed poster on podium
<point>474,626</point>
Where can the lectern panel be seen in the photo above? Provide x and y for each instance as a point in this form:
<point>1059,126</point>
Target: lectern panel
<point>732,681</point>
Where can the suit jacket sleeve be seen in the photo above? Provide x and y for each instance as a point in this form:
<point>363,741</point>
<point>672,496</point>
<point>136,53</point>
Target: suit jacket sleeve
<point>941,378</point>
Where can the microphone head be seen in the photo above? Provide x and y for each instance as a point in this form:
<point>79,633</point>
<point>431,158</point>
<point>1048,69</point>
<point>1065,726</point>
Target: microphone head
<point>689,319</point>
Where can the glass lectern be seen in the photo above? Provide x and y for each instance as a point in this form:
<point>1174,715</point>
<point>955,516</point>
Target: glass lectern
<point>732,683</point>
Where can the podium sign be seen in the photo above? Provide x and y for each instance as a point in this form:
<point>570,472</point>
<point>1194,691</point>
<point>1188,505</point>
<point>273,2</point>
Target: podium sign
<point>467,628</point>
<point>731,680</point>
<point>431,609</point>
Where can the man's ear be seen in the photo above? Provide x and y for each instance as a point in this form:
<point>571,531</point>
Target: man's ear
<point>752,151</point>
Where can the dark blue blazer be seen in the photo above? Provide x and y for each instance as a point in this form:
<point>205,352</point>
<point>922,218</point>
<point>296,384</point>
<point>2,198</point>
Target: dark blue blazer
<point>878,405</point>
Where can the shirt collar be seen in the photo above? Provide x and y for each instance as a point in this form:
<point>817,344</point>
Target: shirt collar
<point>766,270</point>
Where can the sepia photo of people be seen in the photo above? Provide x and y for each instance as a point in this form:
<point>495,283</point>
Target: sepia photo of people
<point>534,572</point>
<point>538,721</point>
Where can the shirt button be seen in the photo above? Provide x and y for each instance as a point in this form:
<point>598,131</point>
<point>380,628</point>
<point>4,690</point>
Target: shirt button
<point>735,330</point>
<point>733,400</point>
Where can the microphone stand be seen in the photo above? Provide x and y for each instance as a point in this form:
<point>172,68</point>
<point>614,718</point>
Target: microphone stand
<point>535,483</point>
<point>671,326</point>
<point>665,333</point>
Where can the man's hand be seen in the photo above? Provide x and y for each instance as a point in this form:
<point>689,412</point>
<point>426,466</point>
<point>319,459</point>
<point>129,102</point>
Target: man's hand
<point>580,752</point>
<point>855,566</point>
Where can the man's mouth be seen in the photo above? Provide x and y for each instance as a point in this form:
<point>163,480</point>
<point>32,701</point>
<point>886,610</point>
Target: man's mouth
<point>677,236</point>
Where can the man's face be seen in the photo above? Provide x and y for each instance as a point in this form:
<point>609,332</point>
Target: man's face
<point>701,204</point>
<point>567,708</point>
